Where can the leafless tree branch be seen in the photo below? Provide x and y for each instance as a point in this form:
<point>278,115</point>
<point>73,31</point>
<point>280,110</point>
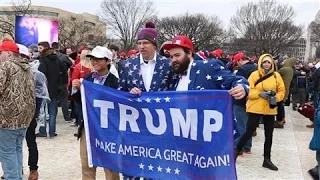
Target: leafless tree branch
<point>264,27</point>
<point>124,18</point>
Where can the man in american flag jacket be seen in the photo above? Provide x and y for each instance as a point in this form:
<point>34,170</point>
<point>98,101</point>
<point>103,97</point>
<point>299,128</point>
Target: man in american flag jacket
<point>148,72</point>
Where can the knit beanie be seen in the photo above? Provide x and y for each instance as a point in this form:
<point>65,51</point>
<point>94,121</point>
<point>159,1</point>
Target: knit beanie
<point>149,33</point>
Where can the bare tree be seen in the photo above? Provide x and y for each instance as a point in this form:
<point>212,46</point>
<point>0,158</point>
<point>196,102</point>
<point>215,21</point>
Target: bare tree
<point>97,36</point>
<point>206,32</point>
<point>315,31</point>
<point>7,21</point>
<point>125,18</point>
<point>72,32</point>
<point>265,27</point>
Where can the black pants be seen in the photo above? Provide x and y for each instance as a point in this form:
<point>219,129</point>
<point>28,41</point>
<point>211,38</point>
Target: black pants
<point>281,112</point>
<point>253,121</point>
<point>63,100</point>
<point>31,139</point>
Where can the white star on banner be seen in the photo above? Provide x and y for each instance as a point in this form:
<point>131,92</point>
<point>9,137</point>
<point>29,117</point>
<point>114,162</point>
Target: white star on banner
<point>198,72</point>
<point>208,77</point>
<point>123,80</point>
<point>127,64</point>
<point>189,81</point>
<point>150,167</point>
<point>198,87</point>
<point>163,81</point>
<point>157,100</point>
<point>222,68</point>
<point>155,72</point>
<point>141,166</point>
<point>234,132</point>
<point>148,100</point>
<point>154,82</point>
<point>159,169</point>
<point>177,171</point>
<point>219,78</point>
<point>240,80</point>
<point>222,86</point>
<point>168,170</point>
<point>194,64</point>
<point>139,100</point>
<point>167,99</point>
<point>202,88</point>
<point>205,61</point>
<point>130,100</point>
<point>161,67</point>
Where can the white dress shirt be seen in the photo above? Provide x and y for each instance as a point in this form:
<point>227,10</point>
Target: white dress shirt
<point>183,84</point>
<point>114,71</point>
<point>147,70</point>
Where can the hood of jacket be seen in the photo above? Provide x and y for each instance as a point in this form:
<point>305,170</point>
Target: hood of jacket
<point>290,62</point>
<point>47,53</point>
<point>23,63</point>
<point>260,69</point>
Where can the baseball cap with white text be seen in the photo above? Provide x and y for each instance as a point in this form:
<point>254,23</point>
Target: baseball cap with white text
<point>180,41</point>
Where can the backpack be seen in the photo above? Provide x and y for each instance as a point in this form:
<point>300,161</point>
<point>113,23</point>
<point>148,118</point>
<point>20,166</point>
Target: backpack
<point>63,70</point>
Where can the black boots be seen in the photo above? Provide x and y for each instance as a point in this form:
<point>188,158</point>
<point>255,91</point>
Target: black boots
<point>278,125</point>
<point>268,164</point>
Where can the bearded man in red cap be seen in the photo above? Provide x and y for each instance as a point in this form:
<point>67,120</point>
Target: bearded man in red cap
<point>17,107</point>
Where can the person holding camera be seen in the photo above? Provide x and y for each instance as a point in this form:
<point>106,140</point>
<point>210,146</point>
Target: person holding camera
<point>266,89</point>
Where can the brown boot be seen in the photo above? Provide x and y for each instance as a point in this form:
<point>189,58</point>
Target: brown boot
<point>33,175</point>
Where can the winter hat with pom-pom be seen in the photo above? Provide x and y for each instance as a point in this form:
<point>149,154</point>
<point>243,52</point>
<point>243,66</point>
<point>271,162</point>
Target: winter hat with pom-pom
<point>149,33</point>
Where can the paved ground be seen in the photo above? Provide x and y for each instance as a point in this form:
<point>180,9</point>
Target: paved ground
<point>59,157</point>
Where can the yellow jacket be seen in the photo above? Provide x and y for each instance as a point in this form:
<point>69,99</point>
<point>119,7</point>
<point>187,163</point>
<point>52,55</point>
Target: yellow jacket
<point>257,104</point>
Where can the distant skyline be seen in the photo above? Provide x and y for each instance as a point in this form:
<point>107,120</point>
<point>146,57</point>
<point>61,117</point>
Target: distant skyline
<point>306,10</point>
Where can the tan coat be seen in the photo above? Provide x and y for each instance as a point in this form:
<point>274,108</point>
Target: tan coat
<point>17,94</point>
<point>286,73</point>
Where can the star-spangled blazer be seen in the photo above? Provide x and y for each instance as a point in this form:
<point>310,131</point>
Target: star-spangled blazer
<point>212,74</point>
<point>130,75</point>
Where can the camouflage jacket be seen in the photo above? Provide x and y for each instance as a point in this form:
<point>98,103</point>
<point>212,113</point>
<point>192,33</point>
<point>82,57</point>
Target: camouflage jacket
<point>17,94</point>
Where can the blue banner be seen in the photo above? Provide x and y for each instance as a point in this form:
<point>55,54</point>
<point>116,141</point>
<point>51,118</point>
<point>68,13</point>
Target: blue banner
<point>160,135</point>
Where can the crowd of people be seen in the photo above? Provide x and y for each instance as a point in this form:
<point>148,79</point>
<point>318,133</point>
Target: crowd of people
<point>43,77</point>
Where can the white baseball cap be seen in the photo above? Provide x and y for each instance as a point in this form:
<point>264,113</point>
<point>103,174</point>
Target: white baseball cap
<point>101,52</point>
<point>23,49</point>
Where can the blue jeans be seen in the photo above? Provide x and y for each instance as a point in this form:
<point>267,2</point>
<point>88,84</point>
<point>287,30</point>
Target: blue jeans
<point>11,152</point>
<point>318,160</point>
<point>242,123</point>
<point>52,109</point>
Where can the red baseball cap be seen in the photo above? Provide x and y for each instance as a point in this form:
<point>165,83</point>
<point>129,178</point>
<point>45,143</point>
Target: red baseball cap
<point>132,52</point>
<point>9,45</point>
<point>218,53</point>
<point>180,41</point>
<point>239,56</point>
<point>123,54</point>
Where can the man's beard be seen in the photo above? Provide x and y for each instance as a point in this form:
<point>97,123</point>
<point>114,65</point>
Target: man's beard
<point>183,66</point>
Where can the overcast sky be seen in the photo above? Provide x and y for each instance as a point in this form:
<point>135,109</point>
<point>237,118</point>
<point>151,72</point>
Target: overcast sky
<point>225,9</point>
